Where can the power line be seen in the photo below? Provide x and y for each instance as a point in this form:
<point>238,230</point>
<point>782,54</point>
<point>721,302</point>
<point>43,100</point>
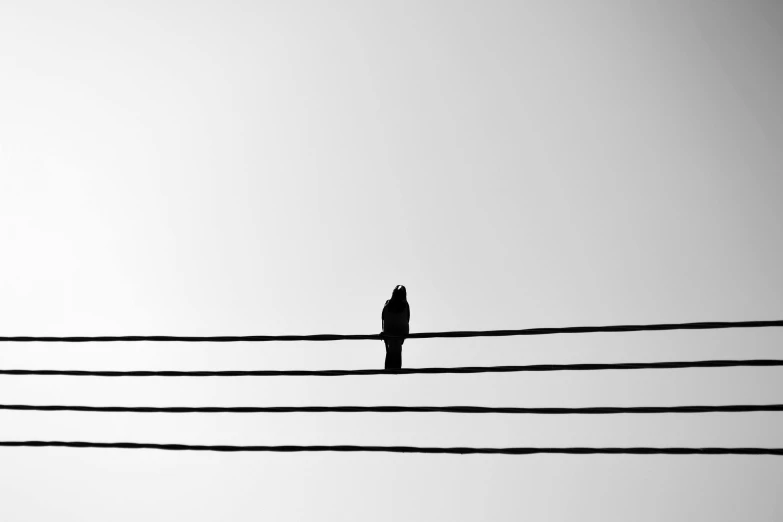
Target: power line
<point>375,337</point>
<point>601,410</point>
<point>406,371</point>
<point>402,449</point>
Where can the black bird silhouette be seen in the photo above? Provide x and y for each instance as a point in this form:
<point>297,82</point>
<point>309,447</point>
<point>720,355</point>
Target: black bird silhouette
<point>394,320</point>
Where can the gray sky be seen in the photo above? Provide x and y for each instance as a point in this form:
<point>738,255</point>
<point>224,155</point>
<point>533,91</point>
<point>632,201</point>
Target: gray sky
<point>207,168</point>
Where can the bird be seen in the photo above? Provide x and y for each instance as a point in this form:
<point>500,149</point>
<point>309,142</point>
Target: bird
<point>395,320</point>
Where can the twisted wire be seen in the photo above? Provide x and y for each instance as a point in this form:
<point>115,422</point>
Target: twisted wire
<point>424,335</point>
<point>406,371</point>
<point>402,449</point>
<point>600,410</point>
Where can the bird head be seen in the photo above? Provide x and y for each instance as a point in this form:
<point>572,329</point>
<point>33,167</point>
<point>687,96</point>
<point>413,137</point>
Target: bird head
<point>399,294</point>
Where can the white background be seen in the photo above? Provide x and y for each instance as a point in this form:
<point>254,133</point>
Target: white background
<point>230,168</point>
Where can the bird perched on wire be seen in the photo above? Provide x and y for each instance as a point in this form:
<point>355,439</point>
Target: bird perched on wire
<point>394,321</point>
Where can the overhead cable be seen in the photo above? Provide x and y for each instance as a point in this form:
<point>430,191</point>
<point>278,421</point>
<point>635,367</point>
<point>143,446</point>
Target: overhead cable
<point>403,449</point>
<point>600,410</point>
<point>405,371</point>
<point>425,335</point>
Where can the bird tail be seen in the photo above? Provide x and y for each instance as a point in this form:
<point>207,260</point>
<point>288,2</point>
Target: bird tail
<point>393,353</point>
